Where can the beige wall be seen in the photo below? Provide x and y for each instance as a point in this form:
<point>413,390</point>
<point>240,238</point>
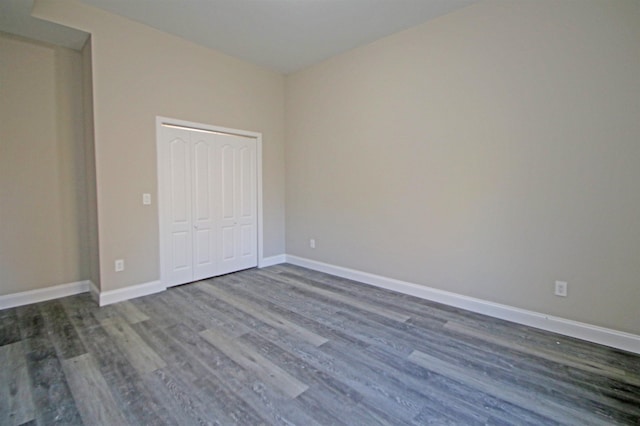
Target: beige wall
<point>138,74</point>
<point>489,153</point>
<point>42,194</point>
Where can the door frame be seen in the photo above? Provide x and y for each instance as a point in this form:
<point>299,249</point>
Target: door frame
<point>195,126</point>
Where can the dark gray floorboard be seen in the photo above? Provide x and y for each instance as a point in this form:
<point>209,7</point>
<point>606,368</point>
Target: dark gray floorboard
<point>9,330</point>
<point>51,395</point>
<point>61,332</point>
<point>288,346</point>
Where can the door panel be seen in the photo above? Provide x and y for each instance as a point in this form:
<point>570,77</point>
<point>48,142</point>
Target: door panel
<point>248,199</point>
<point>246,240</point>
<point>228,244</point>
<point>179,181</point>
<point>177,202</point>
<point>239,222</point>
<point>247,182</point>
<point>203,248</point>
<point>227,168</point>
<point>202,198</point>
<point>181,260</point>
<point>205,264</point>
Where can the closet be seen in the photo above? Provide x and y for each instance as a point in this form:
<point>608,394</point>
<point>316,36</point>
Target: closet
<point>207,203</point>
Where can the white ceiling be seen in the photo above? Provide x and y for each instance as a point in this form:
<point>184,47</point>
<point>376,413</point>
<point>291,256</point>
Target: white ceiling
<point>284,35</point>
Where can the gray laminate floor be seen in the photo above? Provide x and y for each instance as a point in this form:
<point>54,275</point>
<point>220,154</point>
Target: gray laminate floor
<point>285,345</point>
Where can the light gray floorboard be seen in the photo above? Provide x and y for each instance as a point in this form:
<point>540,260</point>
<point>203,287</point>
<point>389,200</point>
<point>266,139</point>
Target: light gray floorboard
<point>256,363</point>
<point>91,392</point>
<point>347,300</point>
<point>264,316</point>
<point>130,312</point>
<point>269,403</point>
<point>16,405</point>
<point>139,354</point>
<point>288,346</point>
<point>544,406</point>
<point>567,359</point>
<point>133,398</point>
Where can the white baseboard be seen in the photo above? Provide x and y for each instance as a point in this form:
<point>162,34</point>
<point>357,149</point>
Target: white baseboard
<point>95,292</point>
<point>272,260</point>
<point>592,333</point>
<point>43,294</point>
<point>131,292</point>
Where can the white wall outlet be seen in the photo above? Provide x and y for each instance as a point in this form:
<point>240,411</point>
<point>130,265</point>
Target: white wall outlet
<point>312,243</point>
<point>561,288</point>
<point>119,265</point>
<point>146,199</point>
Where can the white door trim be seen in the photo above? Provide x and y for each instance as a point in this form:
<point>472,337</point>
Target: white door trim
<point>190,125</point>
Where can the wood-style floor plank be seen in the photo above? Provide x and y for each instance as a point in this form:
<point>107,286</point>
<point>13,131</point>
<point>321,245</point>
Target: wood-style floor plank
<point>133,398</point>
<point>9,330</point>
<point>512,394</point>
<point>91,392</point>
<point>264,316</point>
<point>52,399</point>
<point>288,346</point>
<point>269,403</point>
<point>61,332</point>
<point>567,359</point>
<point>140,355</point>
<point>345,299</point>
<point>256,363</point>
<point>16,404</point>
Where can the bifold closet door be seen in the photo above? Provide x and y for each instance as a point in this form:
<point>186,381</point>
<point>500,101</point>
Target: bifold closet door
<point>203,204</point>
<point>238,218</point>
<point>209,207</point>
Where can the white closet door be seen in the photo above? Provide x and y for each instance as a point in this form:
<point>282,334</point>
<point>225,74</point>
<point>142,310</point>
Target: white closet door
<point>204,196</point>
<point>177,224</point>
<point>238,203</point>
<point>209,221</point>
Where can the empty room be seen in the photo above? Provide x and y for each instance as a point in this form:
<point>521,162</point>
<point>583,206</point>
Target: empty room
<point>320,212</point>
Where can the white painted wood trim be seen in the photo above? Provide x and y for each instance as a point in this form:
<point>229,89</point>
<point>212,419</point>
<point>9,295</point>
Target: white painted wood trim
<point>95,292</point>
<point>131,292</point>
<point>259,194</point>
<point>271,260</point>
<point>592,333</point>
<point>195,125</point>
<point>43,294</point>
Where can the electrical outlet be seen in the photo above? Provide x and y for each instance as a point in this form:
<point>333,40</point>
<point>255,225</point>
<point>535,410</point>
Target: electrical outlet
<point>561,288</point>
<point>146,199</point>
<point>119,265</point>
<point>312,243</point>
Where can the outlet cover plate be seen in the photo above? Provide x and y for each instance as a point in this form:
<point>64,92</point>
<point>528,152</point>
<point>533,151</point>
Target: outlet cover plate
<point>561,288</point>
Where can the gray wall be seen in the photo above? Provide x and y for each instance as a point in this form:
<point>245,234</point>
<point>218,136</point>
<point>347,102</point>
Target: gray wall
<point>489,153</point>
